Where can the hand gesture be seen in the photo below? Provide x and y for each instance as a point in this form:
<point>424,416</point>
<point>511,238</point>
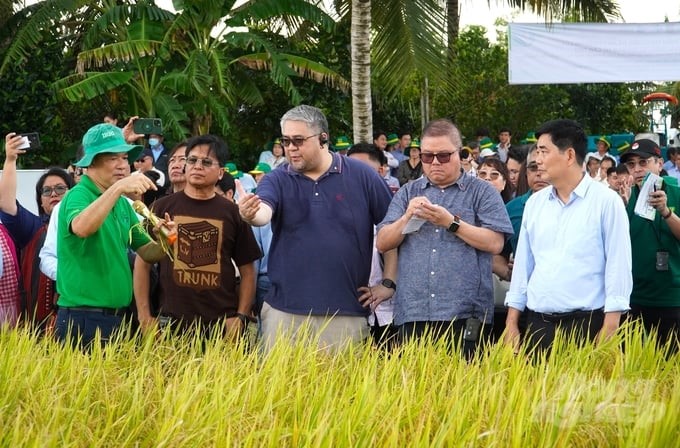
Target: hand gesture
<point>135,185</point>
<point>248,203</point>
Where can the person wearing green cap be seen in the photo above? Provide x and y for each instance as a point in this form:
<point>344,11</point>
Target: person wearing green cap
<point>603,145</point>
<point>341,145</point>
<point>394,148</point>
<point>274,156</point>
<point>245,179</point>
<point>259,171</point>
<point>96,225</point>
<point>411,168</point>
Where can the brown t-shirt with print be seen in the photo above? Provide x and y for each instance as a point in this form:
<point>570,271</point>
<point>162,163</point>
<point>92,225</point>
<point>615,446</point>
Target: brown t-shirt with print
<point>201,282</point>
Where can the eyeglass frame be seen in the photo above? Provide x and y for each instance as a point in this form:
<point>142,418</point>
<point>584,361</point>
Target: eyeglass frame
<point>436,155</point>
<point>46,192</point>
<point>206,162</point>
<point>493,175</point>
<point>296,141</point>
<point>642,161</point>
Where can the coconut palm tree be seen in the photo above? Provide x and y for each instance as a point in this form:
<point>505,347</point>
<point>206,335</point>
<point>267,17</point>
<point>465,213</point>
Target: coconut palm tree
<point>411,36</point>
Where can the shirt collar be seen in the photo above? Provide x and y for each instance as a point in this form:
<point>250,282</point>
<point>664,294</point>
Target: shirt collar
<point>336,167</point>
<point>463,181</point>
<point>580,191</point>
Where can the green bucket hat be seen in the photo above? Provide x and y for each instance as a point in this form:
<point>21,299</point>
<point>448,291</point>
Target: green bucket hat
<point>341,143</point>
<point>105,138</point>
<point>260,168</point>
<point>392,139</point>
<point>604,139</point>
<point>415,143</point>
<point>485,143</point>
<point>231,169</point>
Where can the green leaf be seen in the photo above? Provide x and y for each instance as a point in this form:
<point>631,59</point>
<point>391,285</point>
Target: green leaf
<point>86,86</point>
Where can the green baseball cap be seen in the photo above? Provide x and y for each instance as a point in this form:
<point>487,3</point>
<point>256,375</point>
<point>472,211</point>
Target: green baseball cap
<point>485,143</point>
<point>106,138</point>
<point>392,139</point>
<point>231,169</point>
<point>260,168</point>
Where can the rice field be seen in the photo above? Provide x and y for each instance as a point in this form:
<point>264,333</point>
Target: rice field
<point>171,392</point>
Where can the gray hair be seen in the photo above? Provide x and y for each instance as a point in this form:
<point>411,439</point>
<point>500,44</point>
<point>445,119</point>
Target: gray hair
<point>314,118</point>
<point>443,128</point>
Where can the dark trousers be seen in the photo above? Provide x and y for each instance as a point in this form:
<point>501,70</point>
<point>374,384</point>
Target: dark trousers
<point>542,327</point>
<point>79,326</point>
<point>664,320</point>
<point>450,331</point>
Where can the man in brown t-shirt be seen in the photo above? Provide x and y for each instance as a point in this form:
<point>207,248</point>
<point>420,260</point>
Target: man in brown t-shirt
<point>199,286</point>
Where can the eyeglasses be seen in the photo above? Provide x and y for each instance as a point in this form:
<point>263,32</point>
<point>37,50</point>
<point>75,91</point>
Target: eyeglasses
<point>642,162</point>
<point>78,171</point>
<point>493,175</point>
<point>442,157</point>
<point>532,167</point>
<point>59,189</point>
<point>295,141</point>
<point>206,163</point>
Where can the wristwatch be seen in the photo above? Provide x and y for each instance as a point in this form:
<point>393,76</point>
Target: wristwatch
<point>244,318</point>
<point>387,283</point>
<point>453,228</point>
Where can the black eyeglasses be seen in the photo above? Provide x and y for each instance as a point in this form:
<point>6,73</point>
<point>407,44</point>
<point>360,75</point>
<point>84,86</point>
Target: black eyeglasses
<point>532,167</point>
<point>59,189</point>
<point>442,157</point>
<point>206,163</point>
<point>295,141</point>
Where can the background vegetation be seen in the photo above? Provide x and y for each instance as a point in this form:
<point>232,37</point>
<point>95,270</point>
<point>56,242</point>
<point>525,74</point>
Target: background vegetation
<point>234,69</point>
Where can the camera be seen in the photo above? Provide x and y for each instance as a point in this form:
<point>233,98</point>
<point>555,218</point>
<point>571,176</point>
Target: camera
<point>148,126</point>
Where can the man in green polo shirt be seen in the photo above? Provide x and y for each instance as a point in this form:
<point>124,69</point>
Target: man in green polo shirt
<point>656,251</point>
<point>96,226</point>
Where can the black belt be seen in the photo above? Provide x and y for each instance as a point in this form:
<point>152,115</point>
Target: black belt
<point>91,309</point>
<point>555,317</point>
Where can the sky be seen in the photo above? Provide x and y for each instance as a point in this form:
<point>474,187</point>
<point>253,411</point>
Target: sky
<point>478,12</point>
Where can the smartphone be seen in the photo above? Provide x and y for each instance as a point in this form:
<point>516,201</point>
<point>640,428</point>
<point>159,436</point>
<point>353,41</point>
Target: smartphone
<point>473,327</point>
<point>31,141</point>
<point>148,126</point>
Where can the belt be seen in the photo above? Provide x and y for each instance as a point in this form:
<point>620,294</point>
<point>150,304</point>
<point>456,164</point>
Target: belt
<point>91,309</point>
<point>554,317</point>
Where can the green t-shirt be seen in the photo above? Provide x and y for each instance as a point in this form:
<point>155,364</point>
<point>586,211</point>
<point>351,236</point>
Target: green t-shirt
<point>95,271</point>
<point>651,287</point>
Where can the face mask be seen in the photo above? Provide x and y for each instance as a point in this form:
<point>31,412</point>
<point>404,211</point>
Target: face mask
<point>153,142</point>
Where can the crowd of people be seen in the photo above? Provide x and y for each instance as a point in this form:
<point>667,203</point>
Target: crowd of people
<point>392,240</point>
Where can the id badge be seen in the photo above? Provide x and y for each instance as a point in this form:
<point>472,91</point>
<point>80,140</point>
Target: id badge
<point>662,261</point>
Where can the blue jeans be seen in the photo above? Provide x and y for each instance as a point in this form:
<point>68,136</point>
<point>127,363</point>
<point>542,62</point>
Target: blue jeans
<point>263,285</point>
<point>80,327</point>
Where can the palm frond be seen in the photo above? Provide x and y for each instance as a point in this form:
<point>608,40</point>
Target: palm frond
<point>584,10</point>
<point>169,109</point>
<point>30,34</point>
<point>117,52</point>
<point>86,86</point>
<point>418,45</point>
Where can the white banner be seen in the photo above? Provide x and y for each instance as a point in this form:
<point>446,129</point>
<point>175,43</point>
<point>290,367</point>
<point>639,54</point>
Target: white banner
<point>593,52</point>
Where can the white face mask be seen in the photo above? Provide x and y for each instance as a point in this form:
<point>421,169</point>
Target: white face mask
<point>153,142</point>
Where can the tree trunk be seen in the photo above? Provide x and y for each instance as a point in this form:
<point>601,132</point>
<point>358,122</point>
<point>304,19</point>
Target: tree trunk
<point>362,108</point>
<point>452,26</point>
